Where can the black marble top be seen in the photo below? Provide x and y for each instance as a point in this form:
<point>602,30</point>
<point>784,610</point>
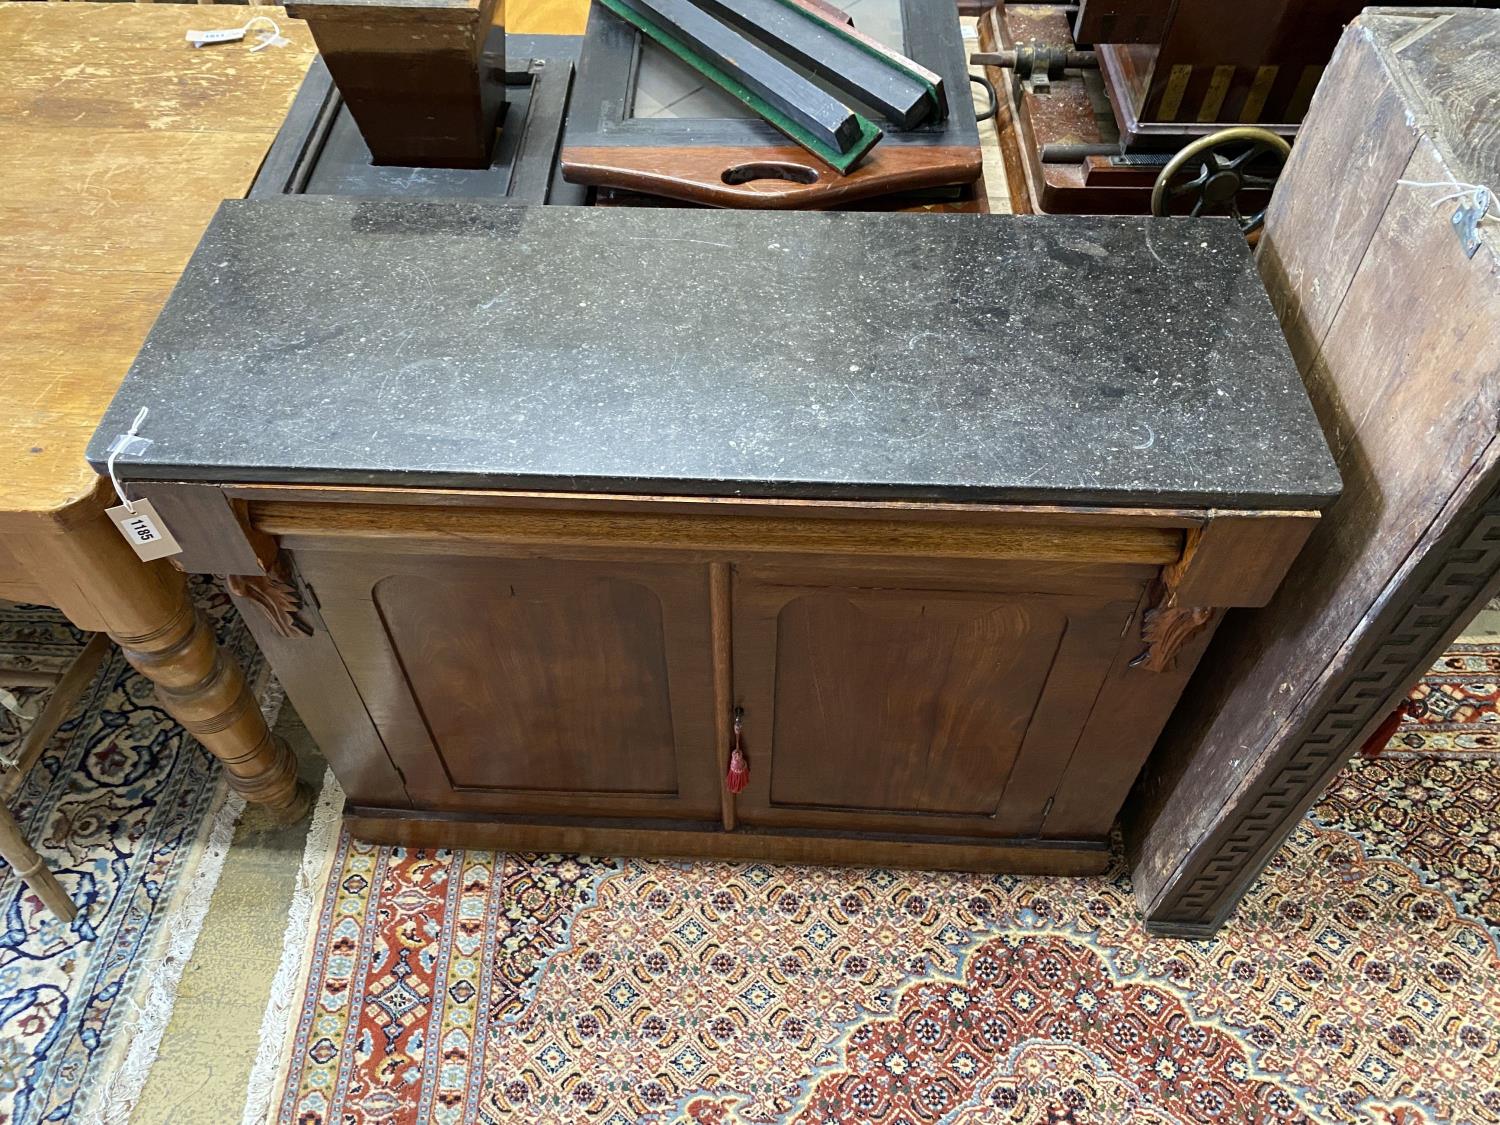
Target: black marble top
<point>864,355</point>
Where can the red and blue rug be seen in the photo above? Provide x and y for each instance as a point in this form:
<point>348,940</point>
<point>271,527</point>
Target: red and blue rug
<point>1359,982</point>
<point>132,815</point>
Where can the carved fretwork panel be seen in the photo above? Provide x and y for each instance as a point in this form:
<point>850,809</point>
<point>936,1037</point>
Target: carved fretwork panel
<point>1458,572</point>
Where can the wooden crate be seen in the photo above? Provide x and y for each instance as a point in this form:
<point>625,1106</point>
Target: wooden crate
<point>1397,333</point>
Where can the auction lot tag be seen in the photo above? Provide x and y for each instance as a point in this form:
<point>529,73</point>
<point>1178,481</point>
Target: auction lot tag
<point>144,530</point>
<point>218,35</point>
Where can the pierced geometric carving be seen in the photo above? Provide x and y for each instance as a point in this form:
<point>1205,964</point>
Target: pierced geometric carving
<point>1435,598</point>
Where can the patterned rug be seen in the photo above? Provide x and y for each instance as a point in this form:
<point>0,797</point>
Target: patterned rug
<point>1360,981</point>
<point>131,814</point>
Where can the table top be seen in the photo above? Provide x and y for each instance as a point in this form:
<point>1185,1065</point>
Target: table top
<point>1065,360</point>
<point>119,143</point>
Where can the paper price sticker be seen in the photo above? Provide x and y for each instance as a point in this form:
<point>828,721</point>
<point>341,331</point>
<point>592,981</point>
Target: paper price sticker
<point>218,35</point>
<point>144,530</point>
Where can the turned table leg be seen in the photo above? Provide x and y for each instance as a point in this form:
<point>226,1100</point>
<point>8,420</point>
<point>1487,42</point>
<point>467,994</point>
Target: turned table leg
<point>93,576</point>
<point>32,869</point>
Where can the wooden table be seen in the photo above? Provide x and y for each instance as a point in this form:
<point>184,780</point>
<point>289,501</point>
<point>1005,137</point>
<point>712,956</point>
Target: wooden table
<point>119,143</point>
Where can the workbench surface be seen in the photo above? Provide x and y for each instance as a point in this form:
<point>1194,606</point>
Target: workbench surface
<point>1112,360</point>
<point>119,141</point>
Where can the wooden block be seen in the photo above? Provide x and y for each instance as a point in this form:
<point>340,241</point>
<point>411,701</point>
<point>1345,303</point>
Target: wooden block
<point>214,531</point>
<point>411,74</point>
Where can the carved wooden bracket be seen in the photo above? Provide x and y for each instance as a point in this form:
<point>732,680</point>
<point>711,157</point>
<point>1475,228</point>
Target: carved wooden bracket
<point>1165,629</point>
<point>1167,626</point>
<point>276,596</point>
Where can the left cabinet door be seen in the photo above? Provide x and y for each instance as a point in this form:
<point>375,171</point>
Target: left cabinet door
<point>531,686</point>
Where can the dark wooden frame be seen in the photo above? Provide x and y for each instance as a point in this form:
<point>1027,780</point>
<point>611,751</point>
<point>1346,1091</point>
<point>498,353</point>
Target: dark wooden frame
<point>539,79</point>
<point>1457,575</point>
<point>688,159</point>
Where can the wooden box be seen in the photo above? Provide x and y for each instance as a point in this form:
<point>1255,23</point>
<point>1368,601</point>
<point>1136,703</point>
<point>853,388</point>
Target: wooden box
<point>1394,326</point>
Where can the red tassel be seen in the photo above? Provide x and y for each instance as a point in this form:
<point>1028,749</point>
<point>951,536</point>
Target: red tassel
<point>739,772</point>
<point>1385,731</point>
<point>739,766</point>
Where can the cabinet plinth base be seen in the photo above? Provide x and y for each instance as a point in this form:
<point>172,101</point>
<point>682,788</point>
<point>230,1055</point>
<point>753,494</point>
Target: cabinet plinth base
<point>1015,857</point>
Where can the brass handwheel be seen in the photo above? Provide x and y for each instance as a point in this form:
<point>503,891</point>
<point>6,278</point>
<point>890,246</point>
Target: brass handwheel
<point>1220,169</point>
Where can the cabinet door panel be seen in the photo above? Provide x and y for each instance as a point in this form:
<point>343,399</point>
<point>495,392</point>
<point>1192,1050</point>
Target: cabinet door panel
<point>531,686</point>
<point>911,683</point>
<point>549,685</point>
<point>899,709</point>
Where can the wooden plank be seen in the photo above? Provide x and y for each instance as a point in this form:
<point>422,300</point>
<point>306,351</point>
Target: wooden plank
<point>119,143</point>
<point>1235,560</point>
<point>917,510</point>
<point>113,220</point>
<point>543,17</point>
<point>1126,718</point>
<point>721,613</point>
<point>102,107</point>
<point>1334,214</point>
<point>1402,442</point>
<point>1447,73</point>
<point>60,703</point>
<point>111,65</point>
<point>213,530</point>
<point>736,536</point>
<point>1029,858</point>
<point>16,584</point>
<point>23,859</point>
<point>329,704</point>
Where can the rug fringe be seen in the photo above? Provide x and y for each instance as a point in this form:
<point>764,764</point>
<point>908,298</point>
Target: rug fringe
<point>147,1023</point>
<point>289,983</point>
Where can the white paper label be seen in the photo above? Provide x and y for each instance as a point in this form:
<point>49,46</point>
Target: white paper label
<point>144,531</point>
<point>220,35</point>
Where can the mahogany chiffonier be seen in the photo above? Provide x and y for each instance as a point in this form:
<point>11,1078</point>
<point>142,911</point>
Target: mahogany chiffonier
<point>870,538</point>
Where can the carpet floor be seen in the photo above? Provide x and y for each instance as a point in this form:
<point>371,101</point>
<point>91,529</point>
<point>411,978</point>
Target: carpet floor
<point>1359,981</point>
<point>133,816</point>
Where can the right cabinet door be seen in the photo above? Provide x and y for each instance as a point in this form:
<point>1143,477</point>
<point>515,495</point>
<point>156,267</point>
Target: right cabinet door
<point>921,705</point>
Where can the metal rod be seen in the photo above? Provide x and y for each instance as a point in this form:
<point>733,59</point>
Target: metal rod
<point>1073,153</point>
<point>1078,60</point>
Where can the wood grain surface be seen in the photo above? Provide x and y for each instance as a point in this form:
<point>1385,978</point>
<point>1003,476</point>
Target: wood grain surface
<point>1030,857</point>
<point>784,176</point>
<point>120,141</point>
<point>490,531</point>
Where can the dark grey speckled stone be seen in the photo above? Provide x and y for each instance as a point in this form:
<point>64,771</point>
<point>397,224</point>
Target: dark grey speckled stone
<point>966,357</point>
